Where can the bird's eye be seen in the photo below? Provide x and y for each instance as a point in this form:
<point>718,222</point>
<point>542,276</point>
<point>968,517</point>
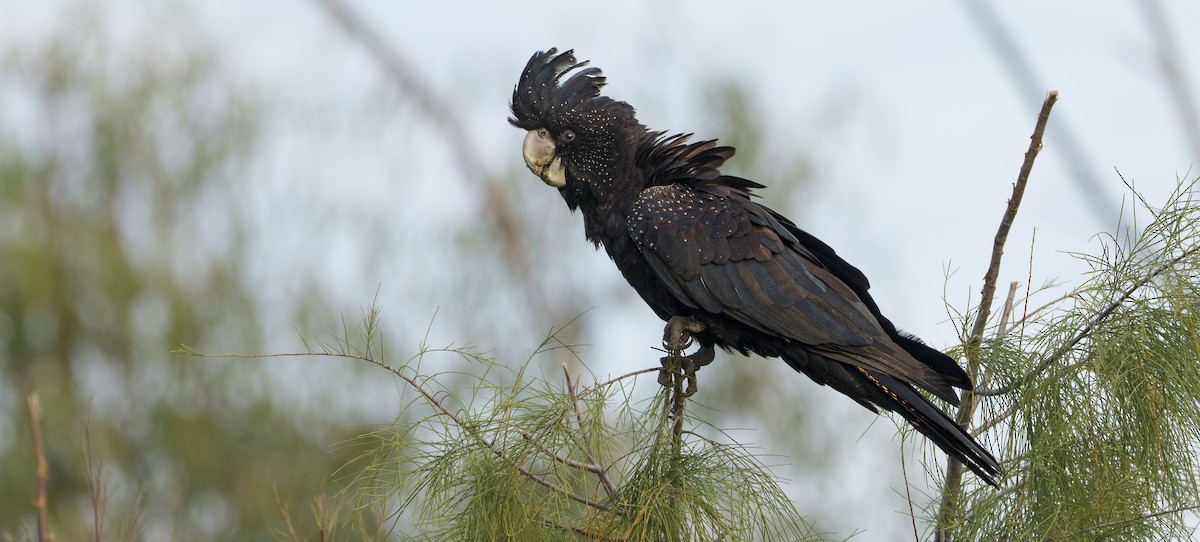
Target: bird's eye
<point>568,136</point>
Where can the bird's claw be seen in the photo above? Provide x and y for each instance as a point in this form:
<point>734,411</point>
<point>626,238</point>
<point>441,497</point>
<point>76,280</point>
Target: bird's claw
<point>693,363</point>
<point>664,375</point>
<point>677,336</point>
<point>689,365</point>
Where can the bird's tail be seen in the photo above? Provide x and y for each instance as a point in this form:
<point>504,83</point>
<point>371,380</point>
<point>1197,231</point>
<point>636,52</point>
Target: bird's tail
<point>933,423</point>
<point>876,390</point>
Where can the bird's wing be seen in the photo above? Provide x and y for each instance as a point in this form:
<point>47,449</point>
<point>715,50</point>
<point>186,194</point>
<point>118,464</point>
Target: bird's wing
<point>717,251</point>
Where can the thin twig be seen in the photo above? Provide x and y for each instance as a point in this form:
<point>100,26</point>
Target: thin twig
<point>42,471</point>
<point>710,441</point>
<point>983,377</point>
<point>95,483</point>
<point>1138,517</point>
<point>1006,312</point>
<point>612,381</point>
<point>1010,214</point>
<point>1003,415</point>
<point>439,407</point>
<point>1087,328</point>
<point>677,403</point>
<point>609,488</point>
<point>908,491</point>
<point>575,464</point>
<point>287,516</point>
<point>1028,285</point>
<point>1031,313</point>
<point>954,467</point>
<point>321,512</point>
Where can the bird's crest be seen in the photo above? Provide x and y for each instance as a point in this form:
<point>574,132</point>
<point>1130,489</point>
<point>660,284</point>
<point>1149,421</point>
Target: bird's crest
<point>541,95</point>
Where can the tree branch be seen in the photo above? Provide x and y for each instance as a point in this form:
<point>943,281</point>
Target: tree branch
<point>1010,214</point>
<point>954,468</point>
<point>1087,328</point>
<point>609,488</point>
<point>676,399</point>
<point>1006,312</point>
<point>1138,517</point>
<point>95,482</point>
<point>912,514</point>
<point>441,410</point>
<point>42,472</point>
<point>612,381</point>
<point>983,427</point>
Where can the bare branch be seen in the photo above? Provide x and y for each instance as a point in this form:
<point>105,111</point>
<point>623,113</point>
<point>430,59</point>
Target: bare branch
<point>1006,312</point>
<point>676,400</point>
<point>612,381</point>
<point>95,482</point>
<point>908,491</point>
<point>954,467</point>
<point>1010,214</point>
<point>42,471</point>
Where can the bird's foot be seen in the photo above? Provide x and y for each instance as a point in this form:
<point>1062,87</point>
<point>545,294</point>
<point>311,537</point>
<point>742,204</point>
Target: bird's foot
<point>677,336</point>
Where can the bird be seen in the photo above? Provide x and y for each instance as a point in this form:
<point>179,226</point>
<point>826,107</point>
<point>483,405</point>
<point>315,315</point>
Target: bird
<point>722,269</point>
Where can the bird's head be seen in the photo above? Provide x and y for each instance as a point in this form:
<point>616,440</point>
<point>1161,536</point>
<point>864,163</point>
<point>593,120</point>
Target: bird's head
<point>575,138</point>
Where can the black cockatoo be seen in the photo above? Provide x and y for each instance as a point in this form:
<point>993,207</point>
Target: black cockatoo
<point>719,267</point>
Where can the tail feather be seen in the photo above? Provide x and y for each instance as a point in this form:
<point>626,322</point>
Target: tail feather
<point>940,363</point>
<point>935,424</point>
<point>875,390</point>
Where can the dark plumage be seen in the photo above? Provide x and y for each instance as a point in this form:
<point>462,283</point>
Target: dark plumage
<point>693,244</point>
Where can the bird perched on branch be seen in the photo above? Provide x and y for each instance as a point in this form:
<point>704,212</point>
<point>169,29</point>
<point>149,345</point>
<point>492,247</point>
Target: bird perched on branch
<point>717,266</point>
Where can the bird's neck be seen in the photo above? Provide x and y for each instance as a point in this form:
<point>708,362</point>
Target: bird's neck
<point>605,200</point>
<point>604,222</point>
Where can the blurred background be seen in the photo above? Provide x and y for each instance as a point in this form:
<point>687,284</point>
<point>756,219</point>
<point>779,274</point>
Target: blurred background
<point>226,174</point>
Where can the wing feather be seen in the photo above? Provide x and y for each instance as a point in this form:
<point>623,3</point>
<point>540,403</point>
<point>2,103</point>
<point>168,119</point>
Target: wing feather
<point>717,251</point>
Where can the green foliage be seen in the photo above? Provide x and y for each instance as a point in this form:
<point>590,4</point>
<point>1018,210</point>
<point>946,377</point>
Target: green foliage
<point>1098,411</point>
<point>511,457</point>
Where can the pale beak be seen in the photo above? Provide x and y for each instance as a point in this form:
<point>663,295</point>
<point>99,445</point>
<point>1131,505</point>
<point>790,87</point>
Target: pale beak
<point>541,159</point>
